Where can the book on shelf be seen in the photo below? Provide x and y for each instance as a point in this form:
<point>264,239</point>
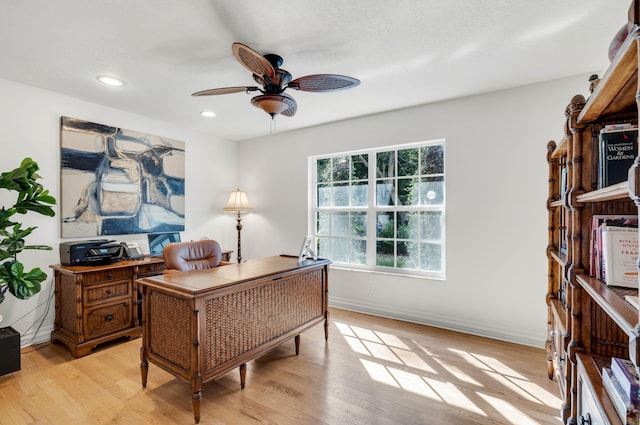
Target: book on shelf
<point>619,256</point>
<point>563,182</point>
<point>595,244</point>
<point>627,376</point>
<point>618,149</point>
<point>626,410</point>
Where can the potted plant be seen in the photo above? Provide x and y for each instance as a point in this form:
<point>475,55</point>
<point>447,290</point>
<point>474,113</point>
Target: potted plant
<point>31,196</point>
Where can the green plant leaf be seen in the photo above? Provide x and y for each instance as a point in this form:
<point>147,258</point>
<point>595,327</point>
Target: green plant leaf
<point>21,285</point>
<point>31,196</point>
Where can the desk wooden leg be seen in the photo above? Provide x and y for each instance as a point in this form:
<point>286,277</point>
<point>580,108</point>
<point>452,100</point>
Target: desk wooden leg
<point>297,340</point>
<point>144,367</point>
<point>196,387</point>
<point>243,374</point>
<point>326,325</point>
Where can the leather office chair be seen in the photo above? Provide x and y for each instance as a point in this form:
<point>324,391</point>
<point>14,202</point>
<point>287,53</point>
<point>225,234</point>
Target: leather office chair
<point>194,255</point>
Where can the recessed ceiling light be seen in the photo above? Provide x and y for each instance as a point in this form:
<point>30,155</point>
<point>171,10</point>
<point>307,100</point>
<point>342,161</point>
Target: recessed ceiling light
<point>110,81</point>
<point>208,114</point>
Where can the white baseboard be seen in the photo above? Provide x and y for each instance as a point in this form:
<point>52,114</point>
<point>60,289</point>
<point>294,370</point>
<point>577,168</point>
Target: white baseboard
<point>43,334</point>
<point>32,337</point>
<point>450,323</point>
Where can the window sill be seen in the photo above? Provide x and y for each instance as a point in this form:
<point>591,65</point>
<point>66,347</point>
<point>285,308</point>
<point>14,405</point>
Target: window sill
<point>403,273</point>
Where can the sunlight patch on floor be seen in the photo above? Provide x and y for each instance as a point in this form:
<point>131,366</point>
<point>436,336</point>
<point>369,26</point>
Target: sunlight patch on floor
<point>498,366</point>
<point>399,378</point>
<point>412,359</point>
<point>452,395</point>
<point>514,385</point>
<point>508,410</point>
<point>424,373</point>
<point>457,372</point>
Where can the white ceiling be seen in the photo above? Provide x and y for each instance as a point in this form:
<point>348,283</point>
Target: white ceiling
<point>405,52</point>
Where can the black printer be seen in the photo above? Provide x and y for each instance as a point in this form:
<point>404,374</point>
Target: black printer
<point>90,252</point>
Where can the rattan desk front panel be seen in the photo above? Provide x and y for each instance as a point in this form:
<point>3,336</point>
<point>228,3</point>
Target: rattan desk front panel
<point>199,325</point>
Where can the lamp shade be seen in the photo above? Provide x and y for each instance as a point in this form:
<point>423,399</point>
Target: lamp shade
<point>238,202</point>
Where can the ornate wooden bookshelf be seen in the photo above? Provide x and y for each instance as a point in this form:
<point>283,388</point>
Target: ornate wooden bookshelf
<point>588,321</point>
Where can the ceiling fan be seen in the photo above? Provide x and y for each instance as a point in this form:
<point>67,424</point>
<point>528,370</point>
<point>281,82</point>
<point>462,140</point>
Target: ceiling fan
<point>274,81</point>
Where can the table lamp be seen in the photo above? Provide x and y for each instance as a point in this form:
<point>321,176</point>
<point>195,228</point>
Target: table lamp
<point>238,203</point>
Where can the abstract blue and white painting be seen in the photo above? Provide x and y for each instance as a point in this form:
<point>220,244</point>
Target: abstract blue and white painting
<point>116,181</point>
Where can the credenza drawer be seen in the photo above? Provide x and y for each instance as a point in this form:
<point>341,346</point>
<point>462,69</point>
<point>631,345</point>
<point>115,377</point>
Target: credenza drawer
<point>150,269</point>
<point>107,319</point>
<point>98,293</point>
<point>106,275</point>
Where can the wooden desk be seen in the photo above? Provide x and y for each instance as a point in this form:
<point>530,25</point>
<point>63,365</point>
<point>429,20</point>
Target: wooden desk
<point>198,325</point>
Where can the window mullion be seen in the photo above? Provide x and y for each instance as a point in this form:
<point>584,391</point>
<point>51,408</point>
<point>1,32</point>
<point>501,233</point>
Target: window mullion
<point>371,212</point>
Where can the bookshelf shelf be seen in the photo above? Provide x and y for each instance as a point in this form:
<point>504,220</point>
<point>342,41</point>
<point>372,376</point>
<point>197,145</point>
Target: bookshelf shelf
<point>611,302</point>
<point>590,373</point>
<point>616,92</point>
<point>559,257</point>
<point>561,149</point>
<point>588,321</point>
<point>610,193</point>
<point>560,312</point>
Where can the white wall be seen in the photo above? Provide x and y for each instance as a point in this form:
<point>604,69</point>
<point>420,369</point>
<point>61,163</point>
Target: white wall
<point>30,122</point>
<point>496,182</point>
<point>496,193</point>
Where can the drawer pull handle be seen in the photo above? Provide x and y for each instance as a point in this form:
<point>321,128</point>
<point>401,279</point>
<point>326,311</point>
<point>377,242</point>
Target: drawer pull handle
<point>108,317</point>
<point>109,292</point>
<point>109,275</point>
<point>585,419</point>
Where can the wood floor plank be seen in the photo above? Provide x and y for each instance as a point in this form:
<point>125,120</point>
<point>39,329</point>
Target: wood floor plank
<point>372,371</point>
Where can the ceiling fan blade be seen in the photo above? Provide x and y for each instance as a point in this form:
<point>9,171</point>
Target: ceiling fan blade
<point>323,83</point>
<point>224,90</point>
<point>252,60</point>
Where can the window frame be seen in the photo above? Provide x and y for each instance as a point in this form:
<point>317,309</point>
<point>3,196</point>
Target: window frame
<point>372,209</point>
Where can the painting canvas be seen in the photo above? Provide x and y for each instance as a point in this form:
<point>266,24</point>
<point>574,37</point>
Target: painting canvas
<point>116,181</point>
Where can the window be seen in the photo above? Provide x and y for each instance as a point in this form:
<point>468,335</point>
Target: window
<point>382,209</point>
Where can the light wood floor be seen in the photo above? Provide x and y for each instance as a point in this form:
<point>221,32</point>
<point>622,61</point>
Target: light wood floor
<point>372,371</point>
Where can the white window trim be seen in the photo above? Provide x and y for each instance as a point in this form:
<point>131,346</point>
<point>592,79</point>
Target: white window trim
<point>372,209</point>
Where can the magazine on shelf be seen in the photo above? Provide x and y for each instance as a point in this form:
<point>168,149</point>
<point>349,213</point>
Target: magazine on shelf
<point>595,244</point>
<point>627,376</point>
<point>620,256</point>
<point>627,411</point>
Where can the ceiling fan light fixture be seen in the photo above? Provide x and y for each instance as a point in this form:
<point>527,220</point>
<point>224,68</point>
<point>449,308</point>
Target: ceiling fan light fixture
<point>111,81</point>
<point>272,104</point>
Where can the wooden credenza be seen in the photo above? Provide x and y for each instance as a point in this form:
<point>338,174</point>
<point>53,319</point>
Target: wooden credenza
<point>199,325</point>
<point>98,304</point>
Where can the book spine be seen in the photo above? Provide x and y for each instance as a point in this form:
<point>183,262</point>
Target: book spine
<point>627,412</point>
<point>617,149</point>
<point>625,373</point>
